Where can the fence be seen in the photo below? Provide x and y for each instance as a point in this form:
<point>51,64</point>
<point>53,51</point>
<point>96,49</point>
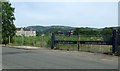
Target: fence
<point>74,42</point>
<point>39,41</point>
<point>79,42</point>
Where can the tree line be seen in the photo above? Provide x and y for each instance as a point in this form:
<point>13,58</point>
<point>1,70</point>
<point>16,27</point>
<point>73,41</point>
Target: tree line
<point>89,31</point>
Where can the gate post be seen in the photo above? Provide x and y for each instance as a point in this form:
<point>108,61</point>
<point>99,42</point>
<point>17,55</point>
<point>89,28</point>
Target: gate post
<point>53,41</point>
<point>114,44</point>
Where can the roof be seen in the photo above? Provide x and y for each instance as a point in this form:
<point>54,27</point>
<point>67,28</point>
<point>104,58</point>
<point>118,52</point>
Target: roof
<point>25,29</point>
<point>18,29</point>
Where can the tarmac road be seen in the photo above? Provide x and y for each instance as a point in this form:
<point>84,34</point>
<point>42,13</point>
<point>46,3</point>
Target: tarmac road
<point>13,58</point>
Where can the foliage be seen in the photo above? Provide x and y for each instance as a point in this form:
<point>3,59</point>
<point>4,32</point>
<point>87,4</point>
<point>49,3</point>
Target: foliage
<point>107,31</point>
<point>0,21</point>
<point>8,28</point>
<point>50,29</point>
<point>56,32</point>
<point>28,41</point>
<point>86,31</point>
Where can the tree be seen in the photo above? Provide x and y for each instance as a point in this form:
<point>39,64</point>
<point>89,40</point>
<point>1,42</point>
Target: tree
<point>0,21</point>
<point>86,31</point>
<point>107,31</point>
<point>8,28</point>
<point>56,32</point>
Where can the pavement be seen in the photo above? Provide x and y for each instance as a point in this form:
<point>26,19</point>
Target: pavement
<point>24,47</point>
<point>14,58</point>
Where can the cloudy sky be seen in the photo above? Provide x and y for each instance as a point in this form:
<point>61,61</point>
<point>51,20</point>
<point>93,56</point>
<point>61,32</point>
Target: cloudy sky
<point>75,14</point>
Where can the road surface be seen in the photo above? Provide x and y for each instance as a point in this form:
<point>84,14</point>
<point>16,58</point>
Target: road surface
<point>55,59</point>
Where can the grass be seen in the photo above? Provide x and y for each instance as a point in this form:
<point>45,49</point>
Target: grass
<point>81,38</point>
<point>28,41</point>
<point>84,47</point>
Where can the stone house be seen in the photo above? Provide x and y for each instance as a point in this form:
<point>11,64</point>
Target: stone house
<point>28,32</point>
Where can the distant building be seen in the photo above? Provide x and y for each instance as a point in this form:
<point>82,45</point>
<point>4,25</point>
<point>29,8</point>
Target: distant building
<point>28,32</point>
<point>69,33</point>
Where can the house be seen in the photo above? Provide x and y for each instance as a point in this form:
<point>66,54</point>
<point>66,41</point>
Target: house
<point>28,32</point>
<point>69,33</point>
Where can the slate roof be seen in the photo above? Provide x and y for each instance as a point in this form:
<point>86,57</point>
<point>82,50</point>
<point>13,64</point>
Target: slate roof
<point>25,29</point>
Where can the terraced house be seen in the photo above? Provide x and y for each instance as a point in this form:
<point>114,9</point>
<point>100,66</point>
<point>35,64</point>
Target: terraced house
<point>28,32</point>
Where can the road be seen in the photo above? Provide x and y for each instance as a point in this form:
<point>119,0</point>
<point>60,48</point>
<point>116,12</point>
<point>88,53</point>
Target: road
<point>55,59</point>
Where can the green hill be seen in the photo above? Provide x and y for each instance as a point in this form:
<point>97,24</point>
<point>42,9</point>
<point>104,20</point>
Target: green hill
<point>49,29</point>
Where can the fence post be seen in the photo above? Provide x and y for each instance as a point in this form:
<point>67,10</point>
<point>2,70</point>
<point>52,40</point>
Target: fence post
<point>41,39</point>
<point>114,45</point>
<point>53,41</point>
<point>22,40</point>
<point>9,39</point>
<point>33,40</point>
<point>15,39</point>
<point>78,42</point>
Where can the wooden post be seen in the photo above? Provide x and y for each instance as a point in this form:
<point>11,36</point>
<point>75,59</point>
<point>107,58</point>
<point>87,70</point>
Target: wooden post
<point>53,41</point>
<point>114,41</point>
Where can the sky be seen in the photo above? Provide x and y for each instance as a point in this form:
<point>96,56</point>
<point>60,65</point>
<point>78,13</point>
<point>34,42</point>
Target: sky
<point>75,14</point>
